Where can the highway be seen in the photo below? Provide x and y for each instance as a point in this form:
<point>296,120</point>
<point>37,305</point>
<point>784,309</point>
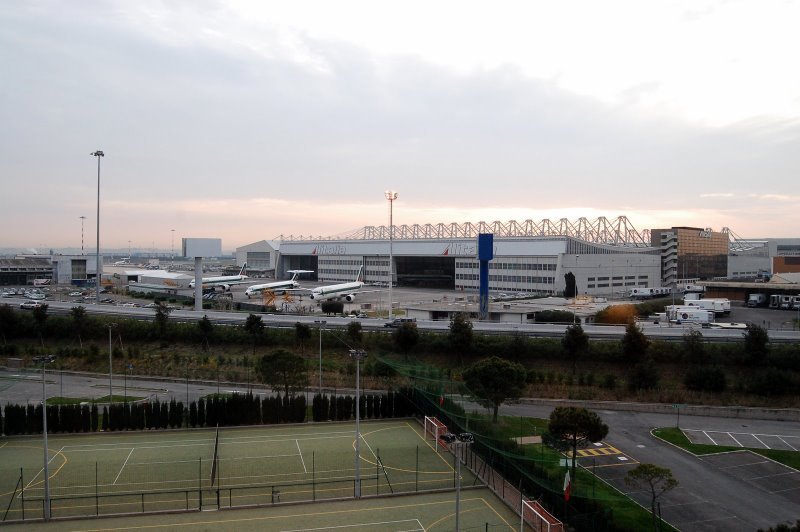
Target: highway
<point>540,330</point>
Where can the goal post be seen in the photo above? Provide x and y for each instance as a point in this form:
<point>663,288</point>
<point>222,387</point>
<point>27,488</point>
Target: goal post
<point>534,515</point>
<point>433,429</point>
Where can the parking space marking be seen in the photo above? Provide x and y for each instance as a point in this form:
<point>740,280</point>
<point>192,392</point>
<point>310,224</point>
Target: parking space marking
<point>710,438</point>
<point>787,443</point>
<point>761,442</point>
<point>734,439</point>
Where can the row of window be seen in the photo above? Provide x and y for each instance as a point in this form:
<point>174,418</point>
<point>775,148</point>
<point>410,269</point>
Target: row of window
<point>507,278</point>
<point>341,262</point>
<point>605,285</point>
<point>377,262</point>
<point>473,265</point>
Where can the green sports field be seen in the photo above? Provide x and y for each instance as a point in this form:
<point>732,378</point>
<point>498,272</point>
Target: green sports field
<point>125,473</point>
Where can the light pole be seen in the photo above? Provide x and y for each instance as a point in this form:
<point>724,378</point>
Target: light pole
<point>458,443</point>
<point>173,245</point>
<point>45,360</point>
<point>358,355</point>
<point>110,390</point>
<point>98,266</point>
<point>82,219</point>
<point>321,325</point>
<point>391,195</point>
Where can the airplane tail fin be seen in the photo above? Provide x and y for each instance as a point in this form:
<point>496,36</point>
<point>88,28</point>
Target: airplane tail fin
<point>243,271</point>
<point>360,274</point>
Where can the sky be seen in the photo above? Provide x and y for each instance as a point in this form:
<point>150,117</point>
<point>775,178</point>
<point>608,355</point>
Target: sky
<point>249,120</point>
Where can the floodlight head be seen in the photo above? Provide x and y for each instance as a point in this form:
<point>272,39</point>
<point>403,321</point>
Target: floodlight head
<point>391,195</point>
<point>98,153</point>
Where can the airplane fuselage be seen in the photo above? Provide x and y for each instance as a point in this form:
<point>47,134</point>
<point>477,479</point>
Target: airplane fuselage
<point>275,287</point>
<point>336,291</point>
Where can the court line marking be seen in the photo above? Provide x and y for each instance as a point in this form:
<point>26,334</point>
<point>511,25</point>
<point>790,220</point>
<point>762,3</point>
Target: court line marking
<point>355,525</point>
<point>301,456</point>
<point>123,466</point>
<point>4,444</point>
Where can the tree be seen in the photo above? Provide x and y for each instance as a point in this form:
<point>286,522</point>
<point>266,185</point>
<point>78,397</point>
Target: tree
<point>634,343</point>
<point>460,335</point>
<point>405,337</point>
<point>494,380</point>
<point>78,315</point>
<point>643,375</point>
<point>302,333</point>
<point>254,325</point>
<point>162,311</point>
<point>354,332</point>
<point>694,348</point>
<point>570,285</point>
<point>206,329</point>
<point>283,370</point>
<point>781,527</point>
<point>571,425</point>
<point>756,343</point>
<point>575,343</point>
<point>658,480</point>
<point>40,317</point>
<point>8,320</point>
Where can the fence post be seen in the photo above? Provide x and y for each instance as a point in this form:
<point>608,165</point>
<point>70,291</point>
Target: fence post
<point>96,491</point>
<point>200,483</point>
<point>313,478</point>
<point>416,472</point>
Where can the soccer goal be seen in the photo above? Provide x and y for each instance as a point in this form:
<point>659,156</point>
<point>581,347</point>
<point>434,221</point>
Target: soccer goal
<point>433,429</point>
<point>538,518</point>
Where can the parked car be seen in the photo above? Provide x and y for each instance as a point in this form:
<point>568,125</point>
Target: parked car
<point>30,305</point>
<point>75,294</point>
<point>398,322</point>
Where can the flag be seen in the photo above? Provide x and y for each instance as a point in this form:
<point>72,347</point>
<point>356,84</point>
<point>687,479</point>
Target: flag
<point>567,486</point>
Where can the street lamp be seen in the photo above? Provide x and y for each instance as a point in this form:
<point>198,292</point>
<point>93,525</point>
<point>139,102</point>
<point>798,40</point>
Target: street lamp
<point>391,195</point>
<point>173,245</point>
<point>45,360</point>
<point>82,219</point>
<point>321,325</point>
<point>358,355</point>
<point>457,444</point>
<point>98,275</point>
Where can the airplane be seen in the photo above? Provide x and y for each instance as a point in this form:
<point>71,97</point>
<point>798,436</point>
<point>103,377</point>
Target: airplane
<point>277,286</point>
<point>224,281</point>
<point>346,291</point>
<point>124,262</point>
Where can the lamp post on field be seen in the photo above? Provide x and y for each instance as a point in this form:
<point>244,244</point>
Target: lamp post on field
<point>358,355</point>
<point>99,154</point>
<point>321,325</point>
<point>458,442</point>
<point>110,390</point>
<point>45,360</point>
<point>391,195</point>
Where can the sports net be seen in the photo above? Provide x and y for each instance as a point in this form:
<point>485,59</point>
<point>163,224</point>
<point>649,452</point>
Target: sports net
<point>433,429</point>
<point>535,516</point>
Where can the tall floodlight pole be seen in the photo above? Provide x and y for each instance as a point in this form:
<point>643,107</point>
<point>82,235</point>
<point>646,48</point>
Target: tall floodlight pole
<point>98,267</point>
<point>358,355</point>
<point>321,325</point>
<point>464,440</point>
<point>173,244</point>
<point>391,195</point>
<point>45,359</point>
<point>110,390</point>
<point>82,219</point>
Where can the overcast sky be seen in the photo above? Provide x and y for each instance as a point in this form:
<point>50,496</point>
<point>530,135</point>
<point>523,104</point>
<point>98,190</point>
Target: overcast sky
<point>247,120</point>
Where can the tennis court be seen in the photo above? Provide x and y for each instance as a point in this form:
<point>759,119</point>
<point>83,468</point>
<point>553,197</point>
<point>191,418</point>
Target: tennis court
<point>106,474</point>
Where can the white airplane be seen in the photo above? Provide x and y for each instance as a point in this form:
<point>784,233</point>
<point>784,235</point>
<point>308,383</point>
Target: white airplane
<point>124,262</point>
<point>277,286</point>
<point>224,281</point>
<point>346,291</point>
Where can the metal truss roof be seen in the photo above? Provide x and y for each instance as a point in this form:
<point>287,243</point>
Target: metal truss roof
<point>616,232</point>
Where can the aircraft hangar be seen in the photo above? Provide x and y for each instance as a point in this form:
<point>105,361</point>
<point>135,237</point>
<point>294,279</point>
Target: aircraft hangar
<point>606,257</point>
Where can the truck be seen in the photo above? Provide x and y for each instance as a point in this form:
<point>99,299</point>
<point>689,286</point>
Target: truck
<point>689,314</point>
<point>774,301</point>
<point>757,300</point>
<point>646,293</point>
<point>786,303</point>
<point>795,302</point>
<point>719,306</point>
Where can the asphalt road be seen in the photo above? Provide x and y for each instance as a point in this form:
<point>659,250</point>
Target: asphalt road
<point>710,496</point>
